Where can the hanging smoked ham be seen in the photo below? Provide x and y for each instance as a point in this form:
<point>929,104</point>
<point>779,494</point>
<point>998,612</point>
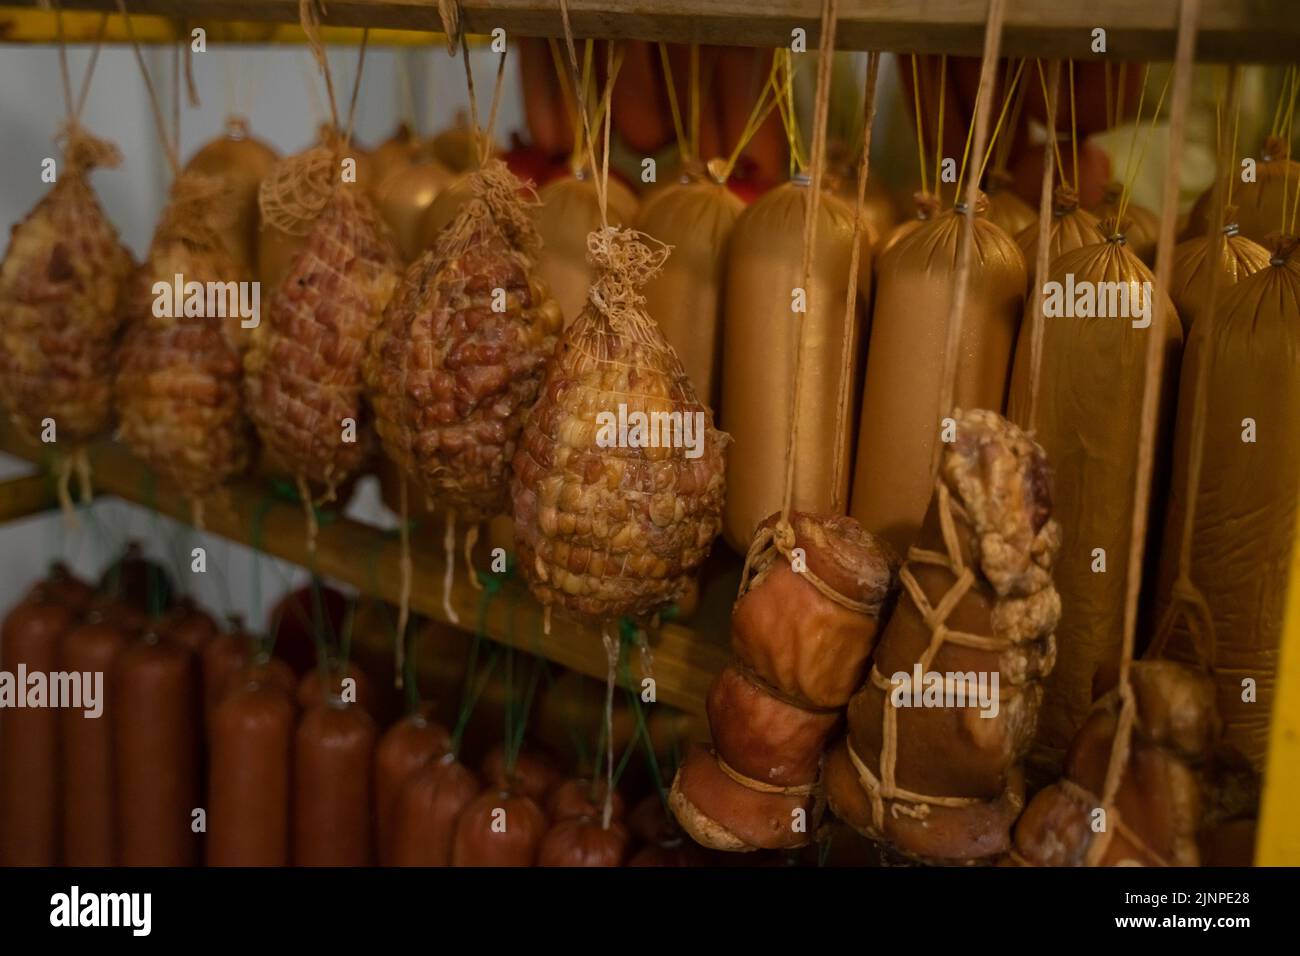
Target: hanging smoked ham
<point>1260,206</point>
<point>612,519</point>
<point>569,211</point>
<point>179,375</point>
<point>932,764</point>
<point>1159,807</point>
<point>61,284</point>
<point>900,401</point>
<point>458,358</point>
<point>695,217</point>
<point>304,368</point>
<point>1246,501</point>
<point>758,361</point>
<point>1093,368</point>
<point>802,633</point>
<point>1190,286</point>
<point>241,162</point>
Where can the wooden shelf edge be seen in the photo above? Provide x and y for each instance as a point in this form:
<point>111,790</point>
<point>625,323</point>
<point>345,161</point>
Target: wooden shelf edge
<point>685,658</point>
<point>1230,30</point>
<point>25,497</point>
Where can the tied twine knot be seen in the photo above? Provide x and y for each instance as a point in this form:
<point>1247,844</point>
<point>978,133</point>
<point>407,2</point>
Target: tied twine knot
<point>501,200</point>
<point>1112,193</point>
<point>296,190</point>
<point>1065,200</point>
<point>625,260</point>
<point>83,152</point>
<point>237,126</point>
<point>927,204</point>
<point>1114,229</point>
<point>1282,246</point>
<point>1230,225</point>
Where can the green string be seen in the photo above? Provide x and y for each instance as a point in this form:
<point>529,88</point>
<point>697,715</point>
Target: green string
<point>282,490</point>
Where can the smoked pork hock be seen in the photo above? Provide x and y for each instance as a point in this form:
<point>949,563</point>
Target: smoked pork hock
<point>428,806</point>
<point>179,373</point>
<point>931,765</point>
<point>1093,370</point>
<point>1247,495</point>
<point>1189,287</point>
<point>802,632</point>
<point>61,283</point>
<point>695,218</point>
<point>764,268</point>
<point>905,362</point>
<point>303,371</point>
<point>1158,810</point>
<point>619,477</point>
<point>499,828</point>
<point>459,356</point>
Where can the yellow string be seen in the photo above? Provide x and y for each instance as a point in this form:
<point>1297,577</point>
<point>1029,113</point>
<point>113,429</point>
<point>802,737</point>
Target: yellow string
<point>785,98</point>
<point>997,127</point>
<point>1232,166</point>
<point>1132,143</point>
<point>920,131</point>
<point>938,137</point>
<point>1288,123</point>
<point>965,153</point>
<point>763,107</point>
<point>1288,79</point>
<point>1074,130</point>
<point>566,88</point>
<point>682,146</point>
<point>695,100</point>
<point>1146,142</point>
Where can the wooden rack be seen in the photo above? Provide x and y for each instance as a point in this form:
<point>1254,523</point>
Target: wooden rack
<point>686,656</point>
<point>1234,30</point>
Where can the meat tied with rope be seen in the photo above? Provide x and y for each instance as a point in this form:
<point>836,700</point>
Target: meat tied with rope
<point>802,632</point>
<point>1157,810</point>
<point>944,783</point>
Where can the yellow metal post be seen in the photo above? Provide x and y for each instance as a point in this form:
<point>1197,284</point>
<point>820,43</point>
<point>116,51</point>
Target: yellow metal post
<point>1278,843</point>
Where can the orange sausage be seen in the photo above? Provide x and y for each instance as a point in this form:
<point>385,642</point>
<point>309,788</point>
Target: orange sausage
<point>545,111</point>
<point>29,737</point>
<point>403,749</point>
<point>640,102</point>
<point>332,798</point>
<point>499,828</point>
<point>251,741</point>
<point>311,694</point>
<point>428,806</point>
<point>87,753</point>
<point>188,625</point>
<point>156,742</point>
<point>223,658</point>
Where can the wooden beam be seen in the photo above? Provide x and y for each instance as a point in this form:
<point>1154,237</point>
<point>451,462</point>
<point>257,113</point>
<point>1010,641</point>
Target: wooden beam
<point>685,658</point>
<point>27,496</point>
<point>1232,30</point>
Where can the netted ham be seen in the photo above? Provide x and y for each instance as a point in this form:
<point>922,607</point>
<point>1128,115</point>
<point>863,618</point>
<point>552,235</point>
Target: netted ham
<point>458,360</point>
<point>613,519</point>
<point>178,384</point>
<point>60,288</point>
<point>304,368</point>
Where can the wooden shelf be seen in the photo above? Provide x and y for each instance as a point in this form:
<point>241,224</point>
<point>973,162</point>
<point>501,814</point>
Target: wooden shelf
<point>685,657</point>
<point>1232,30</point>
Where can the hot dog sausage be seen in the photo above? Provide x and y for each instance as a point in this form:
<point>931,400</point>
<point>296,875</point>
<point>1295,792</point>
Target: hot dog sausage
<point>406,747</point>
<point>332,797</point>
<point>156,752</point>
